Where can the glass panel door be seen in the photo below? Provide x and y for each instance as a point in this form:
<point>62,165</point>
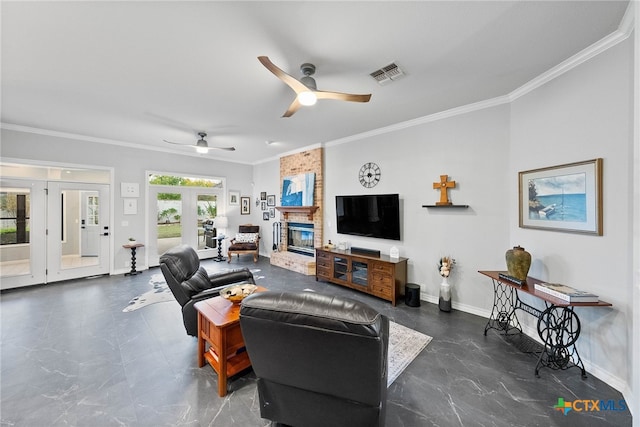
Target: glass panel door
<point>78,230</point>
<point>168,225</point>
<point>182,216</point>
<point>206,211</point>
<point>22,243</point>
<point>359,273</point>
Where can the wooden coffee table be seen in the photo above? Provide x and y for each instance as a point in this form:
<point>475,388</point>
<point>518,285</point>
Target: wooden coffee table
<point>220,339</point>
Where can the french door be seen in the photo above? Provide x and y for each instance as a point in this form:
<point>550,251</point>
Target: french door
<point>22,232</point>
<point>77,230</point>
<point>52,231</point>
<point>176,216</point>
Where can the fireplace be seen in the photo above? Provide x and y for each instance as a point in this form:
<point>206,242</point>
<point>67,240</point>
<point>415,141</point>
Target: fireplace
<point>300,238</point>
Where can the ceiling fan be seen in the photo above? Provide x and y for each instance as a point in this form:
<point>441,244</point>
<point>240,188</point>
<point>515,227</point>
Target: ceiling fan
<point>201,145</point>
<point>306,89</point>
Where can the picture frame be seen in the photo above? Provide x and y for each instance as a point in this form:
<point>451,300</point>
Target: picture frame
<point>245,205</point>
<point>263,206</point>
<point>265,216</point>
<point>272,212</point>
<point>234,198</point>
<point>271,200</point>
<point>565,198</point>
<point>263,195</point>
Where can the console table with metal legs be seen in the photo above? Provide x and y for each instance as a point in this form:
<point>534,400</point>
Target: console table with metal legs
<point>558,324</point>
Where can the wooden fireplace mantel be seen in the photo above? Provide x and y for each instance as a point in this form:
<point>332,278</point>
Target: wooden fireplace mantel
<point>309,210</point>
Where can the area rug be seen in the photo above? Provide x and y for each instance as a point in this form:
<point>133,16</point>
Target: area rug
<point>404,343</point>
<point>160,292</point>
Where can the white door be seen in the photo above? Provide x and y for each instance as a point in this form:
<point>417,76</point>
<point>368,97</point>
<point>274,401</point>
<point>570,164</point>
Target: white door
<point>77,230</point>
<point>22,233</point>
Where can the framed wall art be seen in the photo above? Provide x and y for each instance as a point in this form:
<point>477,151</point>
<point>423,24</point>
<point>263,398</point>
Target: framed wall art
<point>245,206</point>
<point>234,198</point>
<point>565,198</point>
<point>271,200</point>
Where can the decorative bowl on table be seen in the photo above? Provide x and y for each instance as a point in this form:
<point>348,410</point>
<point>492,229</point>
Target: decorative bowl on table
<point>236,293</point>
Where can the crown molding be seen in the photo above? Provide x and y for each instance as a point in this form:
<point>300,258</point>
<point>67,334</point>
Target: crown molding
<point>85,138</point>
<point>457,111</point>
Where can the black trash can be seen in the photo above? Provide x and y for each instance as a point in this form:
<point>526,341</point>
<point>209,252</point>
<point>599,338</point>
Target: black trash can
<point>412,295</point>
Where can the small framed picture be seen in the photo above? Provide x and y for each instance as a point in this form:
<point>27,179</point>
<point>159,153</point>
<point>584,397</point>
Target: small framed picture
<point>234,198</point>
<point>263,206</point>
<point>263,195</point>
<point>265,216</point>
<point>271,200</point>
<point>272,212</point>
<point>245,206</point>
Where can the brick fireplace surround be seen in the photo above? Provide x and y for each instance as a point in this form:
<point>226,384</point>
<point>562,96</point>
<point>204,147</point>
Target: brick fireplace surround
<point>303,162</point>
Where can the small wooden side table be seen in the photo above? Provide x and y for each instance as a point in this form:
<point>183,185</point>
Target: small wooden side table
<point>220,340</point>
<point>133,248</point>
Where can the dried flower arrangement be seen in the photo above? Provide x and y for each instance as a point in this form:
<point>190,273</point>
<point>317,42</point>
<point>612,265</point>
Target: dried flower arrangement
<point>446,265</point>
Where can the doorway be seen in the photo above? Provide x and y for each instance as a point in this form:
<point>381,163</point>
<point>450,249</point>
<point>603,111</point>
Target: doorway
<point>52,231</point>
<point>179,215</point>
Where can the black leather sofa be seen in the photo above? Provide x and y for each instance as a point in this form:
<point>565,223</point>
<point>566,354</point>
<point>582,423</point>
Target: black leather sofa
<point>190,282</point>
<point>319,360</point>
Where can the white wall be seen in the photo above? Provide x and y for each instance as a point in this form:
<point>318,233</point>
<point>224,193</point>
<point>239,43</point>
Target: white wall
<point>581,115</point>
<point>129,165</point>
<point>473,150</point>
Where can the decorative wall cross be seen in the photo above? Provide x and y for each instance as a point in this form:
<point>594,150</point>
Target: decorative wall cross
<point>443,185</point>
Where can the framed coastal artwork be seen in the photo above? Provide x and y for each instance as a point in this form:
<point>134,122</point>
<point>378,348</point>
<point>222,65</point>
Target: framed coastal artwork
<point>565,198</point>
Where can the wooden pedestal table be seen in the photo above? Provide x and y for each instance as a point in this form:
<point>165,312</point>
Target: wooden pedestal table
<point>558,323</point>
<point>220,340</point>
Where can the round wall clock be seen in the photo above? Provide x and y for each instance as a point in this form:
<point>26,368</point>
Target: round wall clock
<point>369,174</point>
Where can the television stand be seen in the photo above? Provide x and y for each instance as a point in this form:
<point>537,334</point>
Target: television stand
<point>380,275</point>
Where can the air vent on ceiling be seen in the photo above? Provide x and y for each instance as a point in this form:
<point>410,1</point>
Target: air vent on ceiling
<point>387,74</point>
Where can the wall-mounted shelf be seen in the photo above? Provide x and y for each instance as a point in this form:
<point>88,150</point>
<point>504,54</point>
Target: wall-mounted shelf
<point>446,206</point>
<point>309,210</point>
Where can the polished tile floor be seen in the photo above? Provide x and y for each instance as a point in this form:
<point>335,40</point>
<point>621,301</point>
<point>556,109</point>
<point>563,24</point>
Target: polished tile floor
<point>70,356</point>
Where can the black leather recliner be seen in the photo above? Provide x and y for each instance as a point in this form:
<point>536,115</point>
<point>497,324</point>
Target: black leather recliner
<point>190,282</point>
<point>320,360</point>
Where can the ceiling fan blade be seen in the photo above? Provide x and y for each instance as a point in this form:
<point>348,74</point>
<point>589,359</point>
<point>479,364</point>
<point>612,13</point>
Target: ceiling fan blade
<point>293,107</point>
<point>342,96</point>
<point>292,82</point>
<point>223,148</point>
<point>176,143</point>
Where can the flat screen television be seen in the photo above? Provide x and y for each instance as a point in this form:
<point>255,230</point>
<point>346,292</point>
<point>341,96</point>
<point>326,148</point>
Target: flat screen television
<point>376,215</point>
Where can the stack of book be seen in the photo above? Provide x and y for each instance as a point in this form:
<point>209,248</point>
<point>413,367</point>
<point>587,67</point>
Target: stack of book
<point>565,293</point>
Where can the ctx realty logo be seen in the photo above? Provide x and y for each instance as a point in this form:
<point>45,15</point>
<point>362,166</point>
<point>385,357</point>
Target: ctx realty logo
<point>588,405</point>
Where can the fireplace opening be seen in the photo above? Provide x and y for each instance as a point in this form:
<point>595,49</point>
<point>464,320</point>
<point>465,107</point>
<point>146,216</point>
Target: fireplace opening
<point>300,238</point>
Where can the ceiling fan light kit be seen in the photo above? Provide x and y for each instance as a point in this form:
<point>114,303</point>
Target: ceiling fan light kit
<point>307,98</point>
<point>305,88</point>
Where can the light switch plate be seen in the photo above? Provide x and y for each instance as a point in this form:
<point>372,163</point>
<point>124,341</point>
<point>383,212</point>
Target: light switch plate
<point>129,189</point>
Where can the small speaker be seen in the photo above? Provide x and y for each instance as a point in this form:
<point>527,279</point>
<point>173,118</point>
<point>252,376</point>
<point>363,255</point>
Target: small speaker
<point>365,251</point>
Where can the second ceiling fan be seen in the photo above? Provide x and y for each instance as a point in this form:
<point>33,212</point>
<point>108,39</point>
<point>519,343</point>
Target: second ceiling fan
<point>305,88</point>
<point>201,145</point>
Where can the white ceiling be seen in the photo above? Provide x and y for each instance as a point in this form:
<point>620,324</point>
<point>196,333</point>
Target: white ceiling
<point>138,72</point>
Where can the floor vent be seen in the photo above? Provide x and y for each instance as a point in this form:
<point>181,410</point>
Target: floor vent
<point>387,74</point>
